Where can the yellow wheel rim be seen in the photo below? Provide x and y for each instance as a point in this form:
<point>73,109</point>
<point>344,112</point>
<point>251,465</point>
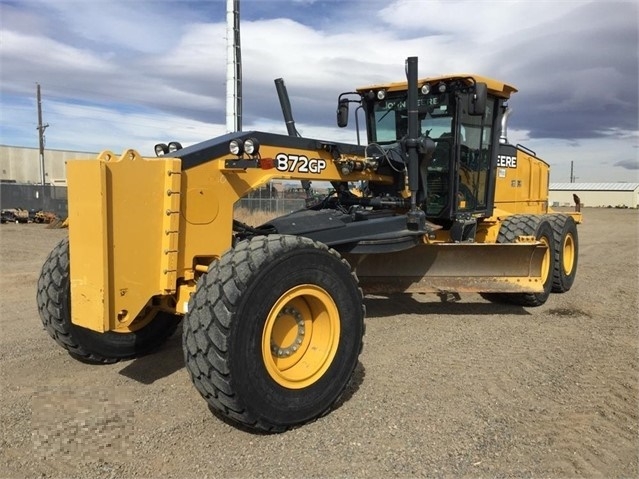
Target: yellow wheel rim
<point>568,254</point>
<point>545,265</point>
<point>300,336</point>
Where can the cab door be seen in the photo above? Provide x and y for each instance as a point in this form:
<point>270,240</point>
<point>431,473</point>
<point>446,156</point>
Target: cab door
<point>474,147</point>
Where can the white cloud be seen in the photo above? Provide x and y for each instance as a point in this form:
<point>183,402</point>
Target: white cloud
<point>105,128</point>
<point>116,24</point>
<point>22,48</point>
<point>199,52</point>
<point>459,21</point>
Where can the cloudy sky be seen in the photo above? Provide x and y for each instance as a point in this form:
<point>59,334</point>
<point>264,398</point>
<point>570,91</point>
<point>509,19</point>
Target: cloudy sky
<point>119,74</point>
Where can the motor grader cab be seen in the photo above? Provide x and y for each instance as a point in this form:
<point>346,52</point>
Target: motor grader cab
<point>455,132</point>
<point>460,119</point>
<point>273,313</point>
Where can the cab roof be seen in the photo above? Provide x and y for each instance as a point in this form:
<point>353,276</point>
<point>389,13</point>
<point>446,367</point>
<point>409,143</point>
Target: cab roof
<point>495,87</point>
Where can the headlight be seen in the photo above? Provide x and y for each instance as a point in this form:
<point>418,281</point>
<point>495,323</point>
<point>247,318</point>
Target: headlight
<point>381,94</point>
<point>174,146</point>
<point>441,88</point>
<point>425,89</point>
<point>236,147</point>
<point>252,146</point>
<point>161,149</point>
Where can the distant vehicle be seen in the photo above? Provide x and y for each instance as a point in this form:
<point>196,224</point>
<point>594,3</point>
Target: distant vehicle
<point>16,215</point>
<point>7,216</point>
<point>20,215</point>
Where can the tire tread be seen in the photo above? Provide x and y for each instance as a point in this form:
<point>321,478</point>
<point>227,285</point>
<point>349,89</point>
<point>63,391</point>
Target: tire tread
<point>511,228</point>
<point>226,282</point>
<point>53,301</point>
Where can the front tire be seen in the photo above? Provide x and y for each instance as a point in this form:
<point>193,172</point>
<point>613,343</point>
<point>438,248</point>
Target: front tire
<point>274,332</point>
<point>54,305</point>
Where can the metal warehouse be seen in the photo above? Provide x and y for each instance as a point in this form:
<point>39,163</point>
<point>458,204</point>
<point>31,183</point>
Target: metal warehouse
<point>22,164</point>
<point>595,194</point>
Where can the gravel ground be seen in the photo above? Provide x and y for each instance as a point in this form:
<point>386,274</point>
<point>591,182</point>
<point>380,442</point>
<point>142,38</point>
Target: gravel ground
<point>466,389</point>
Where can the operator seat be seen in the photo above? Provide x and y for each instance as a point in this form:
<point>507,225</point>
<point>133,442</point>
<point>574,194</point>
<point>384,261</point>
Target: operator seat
<point>441,157</point>
<point>434,175</point>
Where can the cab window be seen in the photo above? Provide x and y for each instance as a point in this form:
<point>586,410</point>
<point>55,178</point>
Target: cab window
<point>475,139</point>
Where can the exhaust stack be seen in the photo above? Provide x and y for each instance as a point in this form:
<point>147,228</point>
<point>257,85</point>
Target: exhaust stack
<point>416,218</point>
<point>503,136</point>
<point>285,103</point>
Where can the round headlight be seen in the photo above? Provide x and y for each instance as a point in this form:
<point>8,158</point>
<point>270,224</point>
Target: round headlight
<point>425,89</point>
<point>381,94</point>
<point>236,147</point>
<point>174,146</point>
<point>161,149</point>
<point>252,146</point>
<point>441,88</point>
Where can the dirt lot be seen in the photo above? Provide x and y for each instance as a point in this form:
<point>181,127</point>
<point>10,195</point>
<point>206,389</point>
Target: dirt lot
<point>443,390</point>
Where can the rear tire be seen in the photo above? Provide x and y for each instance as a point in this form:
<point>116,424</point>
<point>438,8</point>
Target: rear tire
<point>274,332</point>
<point>566,245</point>
<point>54,305</point>
<point>527,225</point>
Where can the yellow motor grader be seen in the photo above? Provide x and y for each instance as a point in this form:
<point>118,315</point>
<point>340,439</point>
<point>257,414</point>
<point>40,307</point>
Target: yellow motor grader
<point>273,314</point>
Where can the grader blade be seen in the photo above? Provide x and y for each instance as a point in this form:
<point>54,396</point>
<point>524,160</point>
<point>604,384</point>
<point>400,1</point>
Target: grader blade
<point>453,267</point>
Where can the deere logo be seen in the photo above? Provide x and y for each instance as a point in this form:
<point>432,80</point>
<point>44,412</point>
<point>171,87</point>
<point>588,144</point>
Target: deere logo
<point>506,161</point>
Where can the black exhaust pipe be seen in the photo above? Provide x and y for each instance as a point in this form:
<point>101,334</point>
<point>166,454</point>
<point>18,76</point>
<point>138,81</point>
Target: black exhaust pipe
<point>285,103</point>
<point>416,216</point>
<point>286,107</point>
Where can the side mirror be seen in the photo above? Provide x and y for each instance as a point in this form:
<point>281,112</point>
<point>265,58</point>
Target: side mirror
<point>477,100</point>
<point>342,113</point>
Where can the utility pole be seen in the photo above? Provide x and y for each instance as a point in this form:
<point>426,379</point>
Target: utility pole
<point>572,175</point>
<point>233,68</point>
<point>41,129</point>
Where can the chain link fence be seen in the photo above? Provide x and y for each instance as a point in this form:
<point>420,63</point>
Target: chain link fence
<point>274,206</point>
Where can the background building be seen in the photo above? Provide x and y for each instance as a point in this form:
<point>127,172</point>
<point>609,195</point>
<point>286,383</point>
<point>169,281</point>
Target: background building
<point>595,194</point>
<point>22,164</point>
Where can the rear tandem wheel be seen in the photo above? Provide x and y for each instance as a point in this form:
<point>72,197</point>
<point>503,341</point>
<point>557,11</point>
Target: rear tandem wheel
<point>528,225</point>
<point>274,332</point>
<point>566,244</point>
